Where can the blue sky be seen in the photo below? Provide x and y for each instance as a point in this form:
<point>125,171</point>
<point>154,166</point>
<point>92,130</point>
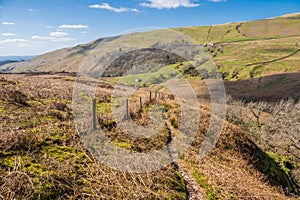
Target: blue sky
<point>32,27</point>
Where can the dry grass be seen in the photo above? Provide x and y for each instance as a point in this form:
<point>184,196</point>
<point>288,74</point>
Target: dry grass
<point>42,157</point>
<point>274,127</point>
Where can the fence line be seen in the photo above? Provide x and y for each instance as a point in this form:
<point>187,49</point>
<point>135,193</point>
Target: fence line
<point>158,95</point>
<point>94,108</point>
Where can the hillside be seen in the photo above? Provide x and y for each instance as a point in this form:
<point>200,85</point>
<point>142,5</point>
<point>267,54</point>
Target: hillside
<point>241,51</point>
<point>7,62</point>
<point>44,157</point>
<point>284,26</point>
<point>136,132</point>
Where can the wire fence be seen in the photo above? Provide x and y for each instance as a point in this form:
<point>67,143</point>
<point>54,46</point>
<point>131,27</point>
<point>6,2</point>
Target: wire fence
<point>150,99</point>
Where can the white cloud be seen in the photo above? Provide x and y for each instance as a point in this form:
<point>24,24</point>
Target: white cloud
<point>63,40</point>
<point>161,4</point>
<point>32,10</point>
<point>49,26</point>
<point>134,10</point>
<point>106,6</point>
<point>58,34</point>
<point>217,1</point>
<point>8,23</point>
<point>13,41</point>
<point>73,26</point>
<point>36,37</point>
<point>8,34</point>
<point>53,39</point>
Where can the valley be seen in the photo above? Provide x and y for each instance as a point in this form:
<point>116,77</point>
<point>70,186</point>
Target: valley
<point>55,143</point>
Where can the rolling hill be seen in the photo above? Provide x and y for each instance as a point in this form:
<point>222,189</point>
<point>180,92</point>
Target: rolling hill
<point>241,50</point>
<point>47,153</point>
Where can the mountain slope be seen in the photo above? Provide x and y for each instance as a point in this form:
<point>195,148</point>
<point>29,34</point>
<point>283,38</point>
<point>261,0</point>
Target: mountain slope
<point>283,26</point>
<point>241,50</point>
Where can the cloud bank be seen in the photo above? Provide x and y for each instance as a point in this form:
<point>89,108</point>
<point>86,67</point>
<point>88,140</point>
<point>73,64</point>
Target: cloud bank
<point>106,6</point>
<point>8,23</point>
<point>73,26</point>
<point>167,4</point>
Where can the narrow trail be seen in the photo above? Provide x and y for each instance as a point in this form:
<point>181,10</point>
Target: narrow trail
<point>275,60</point>
<point>237,28</point>
<point>208,33</point>
<point>193,191</point>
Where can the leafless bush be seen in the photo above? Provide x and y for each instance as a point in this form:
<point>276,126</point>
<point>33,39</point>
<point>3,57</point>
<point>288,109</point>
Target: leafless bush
<point>16,185</point>
<point>274,124</point>
<point>275,127</point>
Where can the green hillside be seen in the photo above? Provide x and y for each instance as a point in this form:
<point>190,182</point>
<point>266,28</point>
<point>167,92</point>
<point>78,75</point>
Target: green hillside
<point>283,26</point>
<point>240,50</point>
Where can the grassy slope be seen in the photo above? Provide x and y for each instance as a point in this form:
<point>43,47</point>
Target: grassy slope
<point>238,44</point>
<point>42,156</point>
<point>236,57</point>
<point>45,156</point>
<point>259,29</point>
<point>41,153</point>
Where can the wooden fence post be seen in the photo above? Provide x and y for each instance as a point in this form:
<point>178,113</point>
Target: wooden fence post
<point>141,104</point>
<point>94,114</point>
<point>127,109</point>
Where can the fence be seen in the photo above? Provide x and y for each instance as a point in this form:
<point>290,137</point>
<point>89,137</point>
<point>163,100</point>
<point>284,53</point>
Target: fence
<point>157,95</point>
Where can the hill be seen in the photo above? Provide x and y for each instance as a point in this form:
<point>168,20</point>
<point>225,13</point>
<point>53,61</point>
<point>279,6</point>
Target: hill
<point>44,157</point>
<point>16,58</point>
<point>241,50</point>
<point>50,147</point>
<point>7,62</point>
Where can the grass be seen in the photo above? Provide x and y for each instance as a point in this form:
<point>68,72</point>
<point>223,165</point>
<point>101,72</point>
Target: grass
<point>42,157</point>
<point>45,157</point>
<point>238,55</point>
<point>245,31</point>
<point>239,44</point>
<point>156,77</point>
<point>204,183</point>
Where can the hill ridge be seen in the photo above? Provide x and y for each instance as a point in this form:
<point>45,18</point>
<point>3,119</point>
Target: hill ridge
<point>267,39</point>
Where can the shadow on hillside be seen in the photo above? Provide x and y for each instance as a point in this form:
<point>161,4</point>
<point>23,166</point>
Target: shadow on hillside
<point>266,165</point>
<point>269,88</point>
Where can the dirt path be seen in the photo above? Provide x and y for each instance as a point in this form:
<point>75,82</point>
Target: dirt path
<point>208,34</point>
<point>192,187</point>
<point>193,191</point>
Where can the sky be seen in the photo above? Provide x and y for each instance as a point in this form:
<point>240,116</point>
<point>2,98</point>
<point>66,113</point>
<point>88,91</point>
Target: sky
<point>33,27</point>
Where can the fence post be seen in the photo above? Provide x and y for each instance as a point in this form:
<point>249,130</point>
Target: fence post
<point>94,114</point>
<point>141,104</point>
<point>150,97</point>
<point>127,110</point>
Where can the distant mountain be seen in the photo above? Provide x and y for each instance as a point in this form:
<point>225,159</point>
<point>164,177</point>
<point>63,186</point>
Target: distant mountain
<point>241,50</point>
<point>7,62</point>
<point>16,58</point>
<point>4,60</point>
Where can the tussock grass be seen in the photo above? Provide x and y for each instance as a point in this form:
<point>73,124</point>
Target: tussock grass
<point>42,157</point>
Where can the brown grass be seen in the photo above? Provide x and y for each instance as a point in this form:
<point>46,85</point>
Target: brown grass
<point>42,156</point>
